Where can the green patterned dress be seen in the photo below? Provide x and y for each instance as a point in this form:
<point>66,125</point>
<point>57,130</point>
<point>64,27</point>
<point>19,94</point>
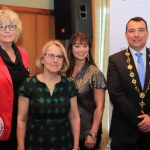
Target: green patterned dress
<point>48,125</point>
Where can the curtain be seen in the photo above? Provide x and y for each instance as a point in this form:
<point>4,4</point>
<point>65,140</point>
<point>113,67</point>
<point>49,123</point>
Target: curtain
<point>100,46</point>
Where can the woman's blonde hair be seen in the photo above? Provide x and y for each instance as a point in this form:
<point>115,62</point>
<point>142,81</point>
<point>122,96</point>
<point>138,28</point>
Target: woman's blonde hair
<point>65,65</point>
<point>6,13</point>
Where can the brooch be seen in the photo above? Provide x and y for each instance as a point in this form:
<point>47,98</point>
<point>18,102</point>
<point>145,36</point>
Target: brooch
<point>29,70</point>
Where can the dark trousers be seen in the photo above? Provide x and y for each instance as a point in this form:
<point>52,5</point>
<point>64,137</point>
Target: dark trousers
<point>142,144</point>
<point>82,143</point>
<point>11,143</point>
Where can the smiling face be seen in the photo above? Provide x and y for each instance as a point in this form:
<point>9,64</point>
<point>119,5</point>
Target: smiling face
<point>136,35</point>
<point>80,50</point>
<point>52,65</point>
<point>7,36</point>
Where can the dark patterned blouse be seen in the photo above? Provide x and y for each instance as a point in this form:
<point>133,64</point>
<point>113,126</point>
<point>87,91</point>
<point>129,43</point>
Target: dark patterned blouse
<point>88,78</point>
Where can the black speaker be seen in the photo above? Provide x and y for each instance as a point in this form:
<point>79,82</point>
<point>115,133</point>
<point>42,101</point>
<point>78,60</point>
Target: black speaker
<point>72,16</point>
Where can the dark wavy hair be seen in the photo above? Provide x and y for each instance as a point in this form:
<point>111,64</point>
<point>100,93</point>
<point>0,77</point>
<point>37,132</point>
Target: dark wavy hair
<point>82,38</point>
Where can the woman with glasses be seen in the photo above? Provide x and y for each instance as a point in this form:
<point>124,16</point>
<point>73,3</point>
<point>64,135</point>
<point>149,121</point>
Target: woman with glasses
<point>14,68</point>
<point>91,90</point>
<point>49,99</point>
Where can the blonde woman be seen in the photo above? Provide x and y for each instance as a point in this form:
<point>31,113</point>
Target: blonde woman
<point>14,68</point>
<point>49,99</point>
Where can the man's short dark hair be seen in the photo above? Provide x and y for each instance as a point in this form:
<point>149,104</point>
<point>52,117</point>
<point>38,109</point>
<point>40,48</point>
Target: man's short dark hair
<point>136,19</point>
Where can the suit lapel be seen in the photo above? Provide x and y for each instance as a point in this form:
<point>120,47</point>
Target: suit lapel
<point>4,70</point>
<point>136,76</point>
<point>25,60</point>
<point>147,77</point>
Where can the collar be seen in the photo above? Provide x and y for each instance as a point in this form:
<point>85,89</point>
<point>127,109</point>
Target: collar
<point>133,52</point>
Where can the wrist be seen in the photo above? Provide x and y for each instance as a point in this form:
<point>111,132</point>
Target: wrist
<point>93,136</point>
<point>76,148</point>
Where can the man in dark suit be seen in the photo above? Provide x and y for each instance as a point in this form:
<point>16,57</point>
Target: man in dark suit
<point>130,97</point>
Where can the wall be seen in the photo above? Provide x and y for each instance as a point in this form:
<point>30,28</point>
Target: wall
<point>117,28</point>
<point>44,4</point>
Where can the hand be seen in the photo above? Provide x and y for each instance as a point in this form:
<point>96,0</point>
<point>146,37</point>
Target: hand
<point>90,142</point>
<point>144,125</point>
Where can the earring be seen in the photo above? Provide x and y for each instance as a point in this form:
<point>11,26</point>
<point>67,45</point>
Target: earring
<point>88,57</point>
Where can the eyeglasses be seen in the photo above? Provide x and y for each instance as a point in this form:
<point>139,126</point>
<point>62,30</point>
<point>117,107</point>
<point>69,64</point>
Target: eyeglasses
<point>52,57</point>
<point>11,27</point>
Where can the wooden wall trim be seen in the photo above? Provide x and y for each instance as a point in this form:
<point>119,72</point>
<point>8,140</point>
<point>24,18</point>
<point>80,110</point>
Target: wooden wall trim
<point>29,10</point>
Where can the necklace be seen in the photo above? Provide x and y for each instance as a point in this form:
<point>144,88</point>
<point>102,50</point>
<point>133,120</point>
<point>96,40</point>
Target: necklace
<point>141,94</point>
